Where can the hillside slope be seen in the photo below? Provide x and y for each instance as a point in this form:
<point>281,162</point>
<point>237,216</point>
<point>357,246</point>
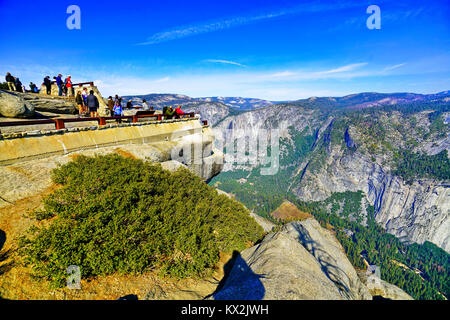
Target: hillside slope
<point>395,155</point>
<point>302,261</point>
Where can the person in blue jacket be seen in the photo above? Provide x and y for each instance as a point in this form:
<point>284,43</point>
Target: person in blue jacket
<point>59,84</point>
<point>118,111</point>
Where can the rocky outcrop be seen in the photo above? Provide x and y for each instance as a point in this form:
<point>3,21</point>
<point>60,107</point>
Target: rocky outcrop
<point>264,223</point>
<point>13,105</point>
<point>51,104</point>
<point>213,112</point>
<point>384,289</point>
<point>414,212</point>
<point>302,261</point>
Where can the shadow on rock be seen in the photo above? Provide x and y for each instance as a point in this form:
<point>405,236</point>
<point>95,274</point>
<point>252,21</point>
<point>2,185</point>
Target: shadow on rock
<point>4,267</point>
<point>129,297</point>
<point>2,239</point>
<point>328,264</point>
<point>239,282</point>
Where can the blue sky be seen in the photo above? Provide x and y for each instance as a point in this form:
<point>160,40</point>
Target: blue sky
<point>276,50</point>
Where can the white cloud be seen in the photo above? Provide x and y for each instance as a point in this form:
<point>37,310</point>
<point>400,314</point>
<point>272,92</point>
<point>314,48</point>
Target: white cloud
<point>225,62</point>
<point>232,22</point>
<point>346,68</point>
<point>283,74</point>
<point>165,79</point>
<point>394,67</point>
<point>283,85</point>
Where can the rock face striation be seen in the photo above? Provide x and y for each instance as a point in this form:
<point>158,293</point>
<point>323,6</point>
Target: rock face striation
<point>211,111</point>
<point>415,212</point>
<point>302,261</point>
<point>51,104</point>
<point>13,105</point>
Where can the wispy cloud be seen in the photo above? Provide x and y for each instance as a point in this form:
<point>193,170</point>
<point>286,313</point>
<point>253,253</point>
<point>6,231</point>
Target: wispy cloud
<point>283,74</point>
<point>192,30</point>
<point>340,72</point>
<point>346,68</point>
<point>394,67</point>
<point>225,62</point>
<point>232,22</point>
<point>165,79</point>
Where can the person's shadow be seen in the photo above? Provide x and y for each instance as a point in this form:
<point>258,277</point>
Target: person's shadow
<point>3,254</point>
<point>2,239</point>
<point>239,282</point>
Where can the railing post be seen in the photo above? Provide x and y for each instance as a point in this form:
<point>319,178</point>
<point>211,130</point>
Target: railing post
<point>59,124</point>
<point>101,121</point>
<point>135,119</point>
<point>159,117</point>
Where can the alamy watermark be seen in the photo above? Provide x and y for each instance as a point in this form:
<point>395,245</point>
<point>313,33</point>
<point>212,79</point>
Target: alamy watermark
<point>73,277</point>
<point>373,277</point>
<point>241,149</point>
<point>374,20</point>
<point>73,22</point>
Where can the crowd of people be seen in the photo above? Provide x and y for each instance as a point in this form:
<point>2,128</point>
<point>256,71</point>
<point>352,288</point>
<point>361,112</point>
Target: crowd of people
<point>65,88</point>
<point>87,102</point>
<point>170,112</point>
<point>14,83</point>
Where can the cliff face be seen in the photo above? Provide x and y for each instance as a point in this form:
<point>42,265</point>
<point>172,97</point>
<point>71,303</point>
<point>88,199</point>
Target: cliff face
<point>302,261</point>
<point>213,112</point>
<point>341,159</point>
<point>414,213</point>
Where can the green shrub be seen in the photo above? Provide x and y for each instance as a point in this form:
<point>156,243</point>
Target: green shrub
<point>115,214</point>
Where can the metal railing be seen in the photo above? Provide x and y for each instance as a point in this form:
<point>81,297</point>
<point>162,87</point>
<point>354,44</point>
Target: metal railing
<point>60,123</point>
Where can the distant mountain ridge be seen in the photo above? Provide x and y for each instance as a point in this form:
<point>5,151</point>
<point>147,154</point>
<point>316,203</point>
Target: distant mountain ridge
<point>373,99</point>
<point>160,100</point>
<point>353,101</point>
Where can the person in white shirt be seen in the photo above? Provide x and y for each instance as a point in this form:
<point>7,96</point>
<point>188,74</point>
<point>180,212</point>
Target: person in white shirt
<point>145,106</point>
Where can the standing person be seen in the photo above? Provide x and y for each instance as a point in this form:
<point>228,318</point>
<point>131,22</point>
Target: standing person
<point>144,105</point>
<point>129,105</point>
<point>48,85</point>
<point>85,95</point>
<point>93,104</point>
<point>69,86</point>
<point>80,102</point>
<point>10,80</point>
<point>118,111</point>
<point>18,85</point>
<point>32,87</point>
<point>111,106</point>
<point>59,83</point>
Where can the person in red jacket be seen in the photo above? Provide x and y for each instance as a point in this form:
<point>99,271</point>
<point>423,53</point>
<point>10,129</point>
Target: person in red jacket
<point>69,86</point>
<point>179,112</point>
